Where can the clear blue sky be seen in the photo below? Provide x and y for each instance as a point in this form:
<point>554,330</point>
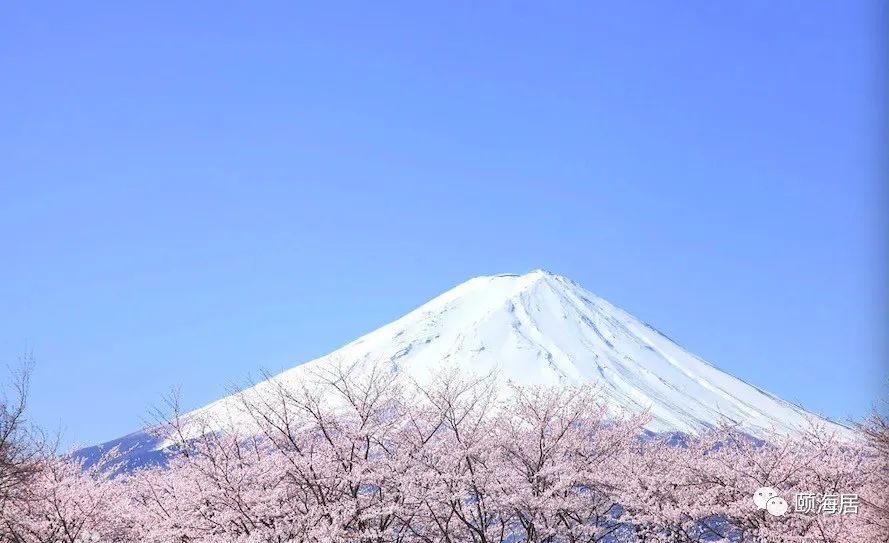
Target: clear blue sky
<point>192,191</point>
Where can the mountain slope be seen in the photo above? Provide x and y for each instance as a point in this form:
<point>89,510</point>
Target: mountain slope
<point>541,328</point>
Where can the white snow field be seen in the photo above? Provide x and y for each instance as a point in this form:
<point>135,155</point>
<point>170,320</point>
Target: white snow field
<point>541,328</point>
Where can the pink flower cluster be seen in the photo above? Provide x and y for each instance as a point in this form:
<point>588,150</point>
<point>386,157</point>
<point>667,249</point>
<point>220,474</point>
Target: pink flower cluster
<point>369,459</point>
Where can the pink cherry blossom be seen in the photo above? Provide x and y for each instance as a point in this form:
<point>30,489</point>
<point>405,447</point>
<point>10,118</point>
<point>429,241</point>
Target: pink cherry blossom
<point>372,459</point>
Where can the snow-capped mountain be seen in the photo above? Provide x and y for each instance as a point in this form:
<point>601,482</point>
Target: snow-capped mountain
<point>541,328</point>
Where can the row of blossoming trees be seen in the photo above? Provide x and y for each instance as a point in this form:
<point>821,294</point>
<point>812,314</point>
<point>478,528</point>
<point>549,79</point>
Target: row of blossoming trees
<point>371,459</point>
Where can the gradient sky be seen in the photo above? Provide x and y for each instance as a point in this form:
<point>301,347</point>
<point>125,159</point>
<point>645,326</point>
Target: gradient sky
<point>191,191</point>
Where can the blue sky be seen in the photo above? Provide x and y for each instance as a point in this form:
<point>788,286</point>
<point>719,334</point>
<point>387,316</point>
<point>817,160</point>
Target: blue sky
<point>192,191</point>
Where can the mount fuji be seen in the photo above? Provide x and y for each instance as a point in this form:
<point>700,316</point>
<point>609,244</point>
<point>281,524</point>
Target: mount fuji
<point>541,328</point>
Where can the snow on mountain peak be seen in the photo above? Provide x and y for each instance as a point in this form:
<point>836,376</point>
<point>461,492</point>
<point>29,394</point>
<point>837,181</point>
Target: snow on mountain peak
<point>542,328</point>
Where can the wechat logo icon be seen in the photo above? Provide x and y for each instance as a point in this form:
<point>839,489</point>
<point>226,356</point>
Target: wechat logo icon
<point>767,498</point>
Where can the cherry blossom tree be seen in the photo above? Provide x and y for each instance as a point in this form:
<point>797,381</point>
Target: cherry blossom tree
<point>874,493</point>
<point>365,456</point>
<point>559,455</point>
<point>70,503</point>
